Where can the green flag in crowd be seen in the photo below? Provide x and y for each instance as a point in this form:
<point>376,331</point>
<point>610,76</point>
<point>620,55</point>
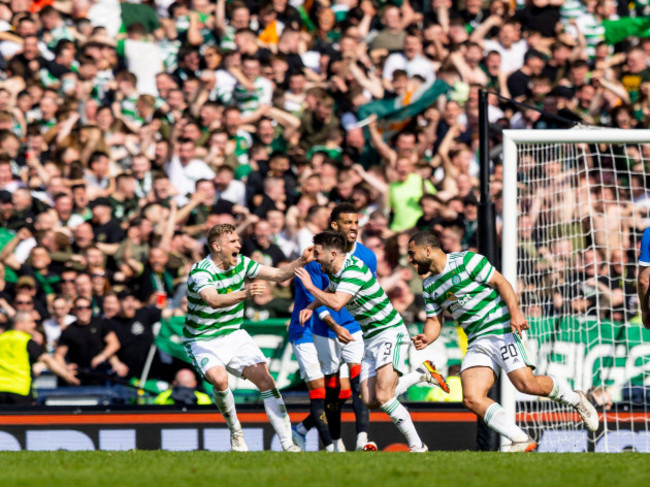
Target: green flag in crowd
<point>170,337</point>
<point>619,30</point>
<point>394,115</point>
<point>133,13</point>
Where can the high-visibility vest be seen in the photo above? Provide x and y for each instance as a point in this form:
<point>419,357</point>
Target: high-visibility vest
<point>164,398</point>
<point>15,369</point>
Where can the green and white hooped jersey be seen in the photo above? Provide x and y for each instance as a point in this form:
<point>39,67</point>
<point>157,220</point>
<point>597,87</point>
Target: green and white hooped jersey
<point>228,39</point>
<point>249,101</point>
<point>369,304</point>
<point>461,288</point>
<point>572,9</point>
<point>129,110</point>
<point>203,321</point>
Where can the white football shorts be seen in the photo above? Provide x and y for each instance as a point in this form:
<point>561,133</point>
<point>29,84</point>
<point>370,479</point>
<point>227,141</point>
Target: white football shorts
<point>307,358</point>
<point>234,351</point>
<point>391,346</point>
<point>499,352</point>
<point>332,353</point>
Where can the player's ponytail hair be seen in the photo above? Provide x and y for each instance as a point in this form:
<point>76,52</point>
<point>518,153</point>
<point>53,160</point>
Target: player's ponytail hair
<point>331,240</point>
<point>424,238</point>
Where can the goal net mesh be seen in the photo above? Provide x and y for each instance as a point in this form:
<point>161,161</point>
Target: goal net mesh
<point>581,211</point>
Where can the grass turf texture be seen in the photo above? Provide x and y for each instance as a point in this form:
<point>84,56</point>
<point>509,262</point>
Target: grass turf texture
<point>357,469</point>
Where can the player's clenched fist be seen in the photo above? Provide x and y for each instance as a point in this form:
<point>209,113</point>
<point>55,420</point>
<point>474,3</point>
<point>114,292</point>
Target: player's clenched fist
<point>308,254</point>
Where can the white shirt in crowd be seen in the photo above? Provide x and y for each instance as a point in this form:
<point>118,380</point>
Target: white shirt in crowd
<point>235,193</point>
<point>184,178</point>
<point>145,60</point>
<point>305,239</point>
<point>419,65</point>
<point>53,330</point>
<point>512,58</point>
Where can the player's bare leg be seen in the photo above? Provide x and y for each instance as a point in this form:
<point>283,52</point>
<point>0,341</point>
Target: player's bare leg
<point>540,385</point>
<point>225,401</point>
<point>259,375</point>
<point>477,382</point>
<point>379,393</point>
<point>368,395</point>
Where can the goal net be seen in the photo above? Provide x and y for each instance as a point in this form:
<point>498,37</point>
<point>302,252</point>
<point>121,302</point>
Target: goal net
<point>575,205</point>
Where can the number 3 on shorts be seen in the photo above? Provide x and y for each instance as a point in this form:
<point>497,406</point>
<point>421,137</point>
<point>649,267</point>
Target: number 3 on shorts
<point>388,348</point>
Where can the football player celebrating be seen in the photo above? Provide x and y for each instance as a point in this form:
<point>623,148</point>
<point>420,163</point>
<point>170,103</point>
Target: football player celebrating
<point>484,303</point>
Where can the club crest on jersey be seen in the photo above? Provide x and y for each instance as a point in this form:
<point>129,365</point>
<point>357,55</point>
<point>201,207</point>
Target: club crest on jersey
<point>455,279</point>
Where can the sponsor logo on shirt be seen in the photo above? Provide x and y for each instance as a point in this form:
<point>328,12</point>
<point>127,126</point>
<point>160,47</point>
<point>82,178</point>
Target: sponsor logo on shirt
<point>456,302</point>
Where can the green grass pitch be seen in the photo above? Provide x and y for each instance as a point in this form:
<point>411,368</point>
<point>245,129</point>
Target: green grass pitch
<point>354,469</point>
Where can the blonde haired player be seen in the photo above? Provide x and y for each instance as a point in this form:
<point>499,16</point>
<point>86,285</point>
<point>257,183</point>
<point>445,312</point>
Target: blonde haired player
<point>216,289</point>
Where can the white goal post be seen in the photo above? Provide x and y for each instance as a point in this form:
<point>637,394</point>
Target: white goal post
<point>574,200</point>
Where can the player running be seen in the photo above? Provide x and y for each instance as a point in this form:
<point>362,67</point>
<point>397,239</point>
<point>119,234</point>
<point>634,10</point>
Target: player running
<point>482,301</point>
<point>212,335</point>
<point>352,285</point>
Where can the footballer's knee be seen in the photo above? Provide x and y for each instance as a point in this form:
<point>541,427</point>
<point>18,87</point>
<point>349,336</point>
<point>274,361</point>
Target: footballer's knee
<point>265,383</point>
<point>384,396</point>
<point>368,400</point>
<point>372,403</point>
<point>217,378</point>
<point>472,402</point>
<point>259,375</point>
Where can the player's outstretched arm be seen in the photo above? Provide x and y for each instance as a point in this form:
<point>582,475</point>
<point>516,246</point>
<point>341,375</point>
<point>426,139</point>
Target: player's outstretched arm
<point>335,301</point>
<point>518,322</point>
<point>215,300</point>
<point>429,334</point>
<point>286,271</point>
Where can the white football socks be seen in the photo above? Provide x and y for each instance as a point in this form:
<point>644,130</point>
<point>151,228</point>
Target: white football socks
<point>338,445</point>
<point>402,419</point>
<point>407,381</point>
<point>362,439</point>
<point>225,401</point>
<point>563,394</point>
<point>278,416</point>
<point>497,419</point>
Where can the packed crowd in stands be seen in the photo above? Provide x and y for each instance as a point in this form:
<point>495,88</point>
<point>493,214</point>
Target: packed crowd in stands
<point>129,129</point>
